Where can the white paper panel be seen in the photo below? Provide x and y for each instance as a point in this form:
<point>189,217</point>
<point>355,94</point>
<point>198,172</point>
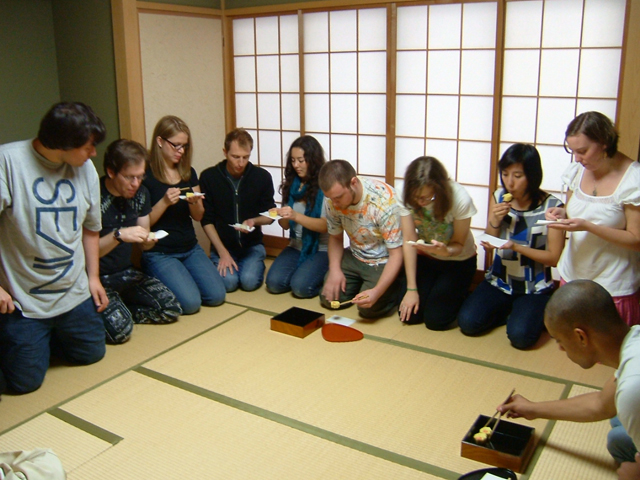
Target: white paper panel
<point>290,112</point>
<point>268,73</point>
<point>559,73</point>
<point>372,29</point>
<point>243,36</point>
<point>518,122</point>
<point>267,37</point>
<point>476,118</point>
<point>270,150</point>
<point>442,116</point>
<point>316,32</point>
<point>607,107</point>
<point>372,114</point>
<point>345,147</point>
<point>276,178</point>
<point>344,75</point>
<point>344,118</point>
<point>444,26</point>
<point>289,73</point>
<point>289,34</point>
<point>474,163</point>
<point>554,114</point>
<point>316,72</point>
<point>269,110</point>
<point>256,144</point>
<point>372,152</point>
<point>372,73</point>
<point>562,23</point>
<point>410,115</point>
<point>316,116</point>
<point>478,71</point>
<point>447,152</point>
<point>480,196</point>
<point>343,31</point>
<point>407,149</point>
<point>524,24</point>
<point>520,72</point>
<point>479,250</point>
<point>443,72</point>
<point>245,74</point>
<point>287,139</point>
<point>246,110</point>
<point>603,23</point>
<point>479,25</point>
<point>411,76</point>
<point>605,83</point>
<point>412,27</point>
<point>325,141</point>
<point>554,162</point>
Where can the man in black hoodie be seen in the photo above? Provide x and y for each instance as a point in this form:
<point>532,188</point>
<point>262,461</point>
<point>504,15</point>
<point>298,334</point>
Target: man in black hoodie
<point>236,193</point>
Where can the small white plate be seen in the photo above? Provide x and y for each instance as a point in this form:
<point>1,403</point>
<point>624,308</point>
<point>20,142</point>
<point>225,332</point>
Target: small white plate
<point>411,242</point>
<point>491,240</point>
<point>546,222</point>
<point>161,234</point>
<point>266,214</point>
<point>242,226</point>
<point>195,194</point>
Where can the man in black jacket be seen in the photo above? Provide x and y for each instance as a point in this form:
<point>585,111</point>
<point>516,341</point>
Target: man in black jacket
<point>236,193</point>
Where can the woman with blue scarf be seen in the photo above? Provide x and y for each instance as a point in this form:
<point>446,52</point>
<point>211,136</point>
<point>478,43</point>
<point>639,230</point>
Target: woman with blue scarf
<point>301,266</point>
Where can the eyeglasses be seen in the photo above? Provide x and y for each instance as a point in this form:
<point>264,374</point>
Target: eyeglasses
<point>177,146</point>
<point>131,178</point>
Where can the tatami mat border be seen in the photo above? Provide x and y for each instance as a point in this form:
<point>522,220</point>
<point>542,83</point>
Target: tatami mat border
<point>107,380</point>
<point>301,426</point>
<point>85,426</point>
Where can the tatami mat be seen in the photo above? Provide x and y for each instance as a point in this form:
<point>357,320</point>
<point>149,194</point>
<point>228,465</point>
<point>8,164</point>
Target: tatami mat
<point>63,382</point>
<point>396,399</point>
<point>73,446</point>
<point>545,359</point>
<point>576,451</point>
<point>169,432</point>
<point>220,395</point>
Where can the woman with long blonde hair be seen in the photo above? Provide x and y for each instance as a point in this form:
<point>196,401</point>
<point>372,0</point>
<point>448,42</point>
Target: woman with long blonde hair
<point>177,260</point>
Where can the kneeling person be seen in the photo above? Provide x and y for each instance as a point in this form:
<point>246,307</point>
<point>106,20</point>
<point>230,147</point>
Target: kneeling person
<point>134,297</point>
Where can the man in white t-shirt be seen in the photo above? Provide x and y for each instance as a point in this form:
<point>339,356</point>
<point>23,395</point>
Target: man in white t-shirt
<point>584,321</point>
<point>50,289</point>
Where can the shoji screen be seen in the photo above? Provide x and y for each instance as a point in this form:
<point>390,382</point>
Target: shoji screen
<point>562,58</point>
<point>444,94</point>
<point>345,85</point>
<point>267,71</point>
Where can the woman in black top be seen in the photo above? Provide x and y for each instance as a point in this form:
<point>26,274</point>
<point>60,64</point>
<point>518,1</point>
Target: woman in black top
<point>177,260</point>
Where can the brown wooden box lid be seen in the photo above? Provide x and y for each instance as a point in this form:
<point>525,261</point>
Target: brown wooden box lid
<point>298,322</point>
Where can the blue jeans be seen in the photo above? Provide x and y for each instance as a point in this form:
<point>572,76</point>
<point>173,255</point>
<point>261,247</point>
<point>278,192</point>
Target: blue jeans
<point>304,281</point>
<point>619,443</point>
<point>135,297</point>
<point>27,343</point>
<point>250,274</point>
<point>190,276</point>
<point>488,307</point>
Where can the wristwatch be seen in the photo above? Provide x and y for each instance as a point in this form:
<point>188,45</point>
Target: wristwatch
<point>116,235</point>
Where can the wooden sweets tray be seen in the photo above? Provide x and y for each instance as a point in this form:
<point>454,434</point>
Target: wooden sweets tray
<point>510,446</point>
<point>297,322</point>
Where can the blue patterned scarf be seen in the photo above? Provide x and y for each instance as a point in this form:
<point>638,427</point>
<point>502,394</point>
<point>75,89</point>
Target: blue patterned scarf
<point>310,239</point>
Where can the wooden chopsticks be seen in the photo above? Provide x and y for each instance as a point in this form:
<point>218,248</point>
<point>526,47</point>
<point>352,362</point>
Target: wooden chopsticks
<point>499,416</point>
<point>354,298</point>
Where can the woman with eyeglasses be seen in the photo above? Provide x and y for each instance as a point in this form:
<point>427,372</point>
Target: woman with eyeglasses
<point>177,260</point>
<point>301,267</point>
<point>602,213</point>
<point>518,284</point>
<point>439,250</point>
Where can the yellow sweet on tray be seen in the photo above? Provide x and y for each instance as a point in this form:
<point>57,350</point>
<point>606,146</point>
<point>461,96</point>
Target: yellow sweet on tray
<point>189,194</point>
<point>273,213</point>
<point>480,438</point>
<point>335,304</point>
<point>507,197</point>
